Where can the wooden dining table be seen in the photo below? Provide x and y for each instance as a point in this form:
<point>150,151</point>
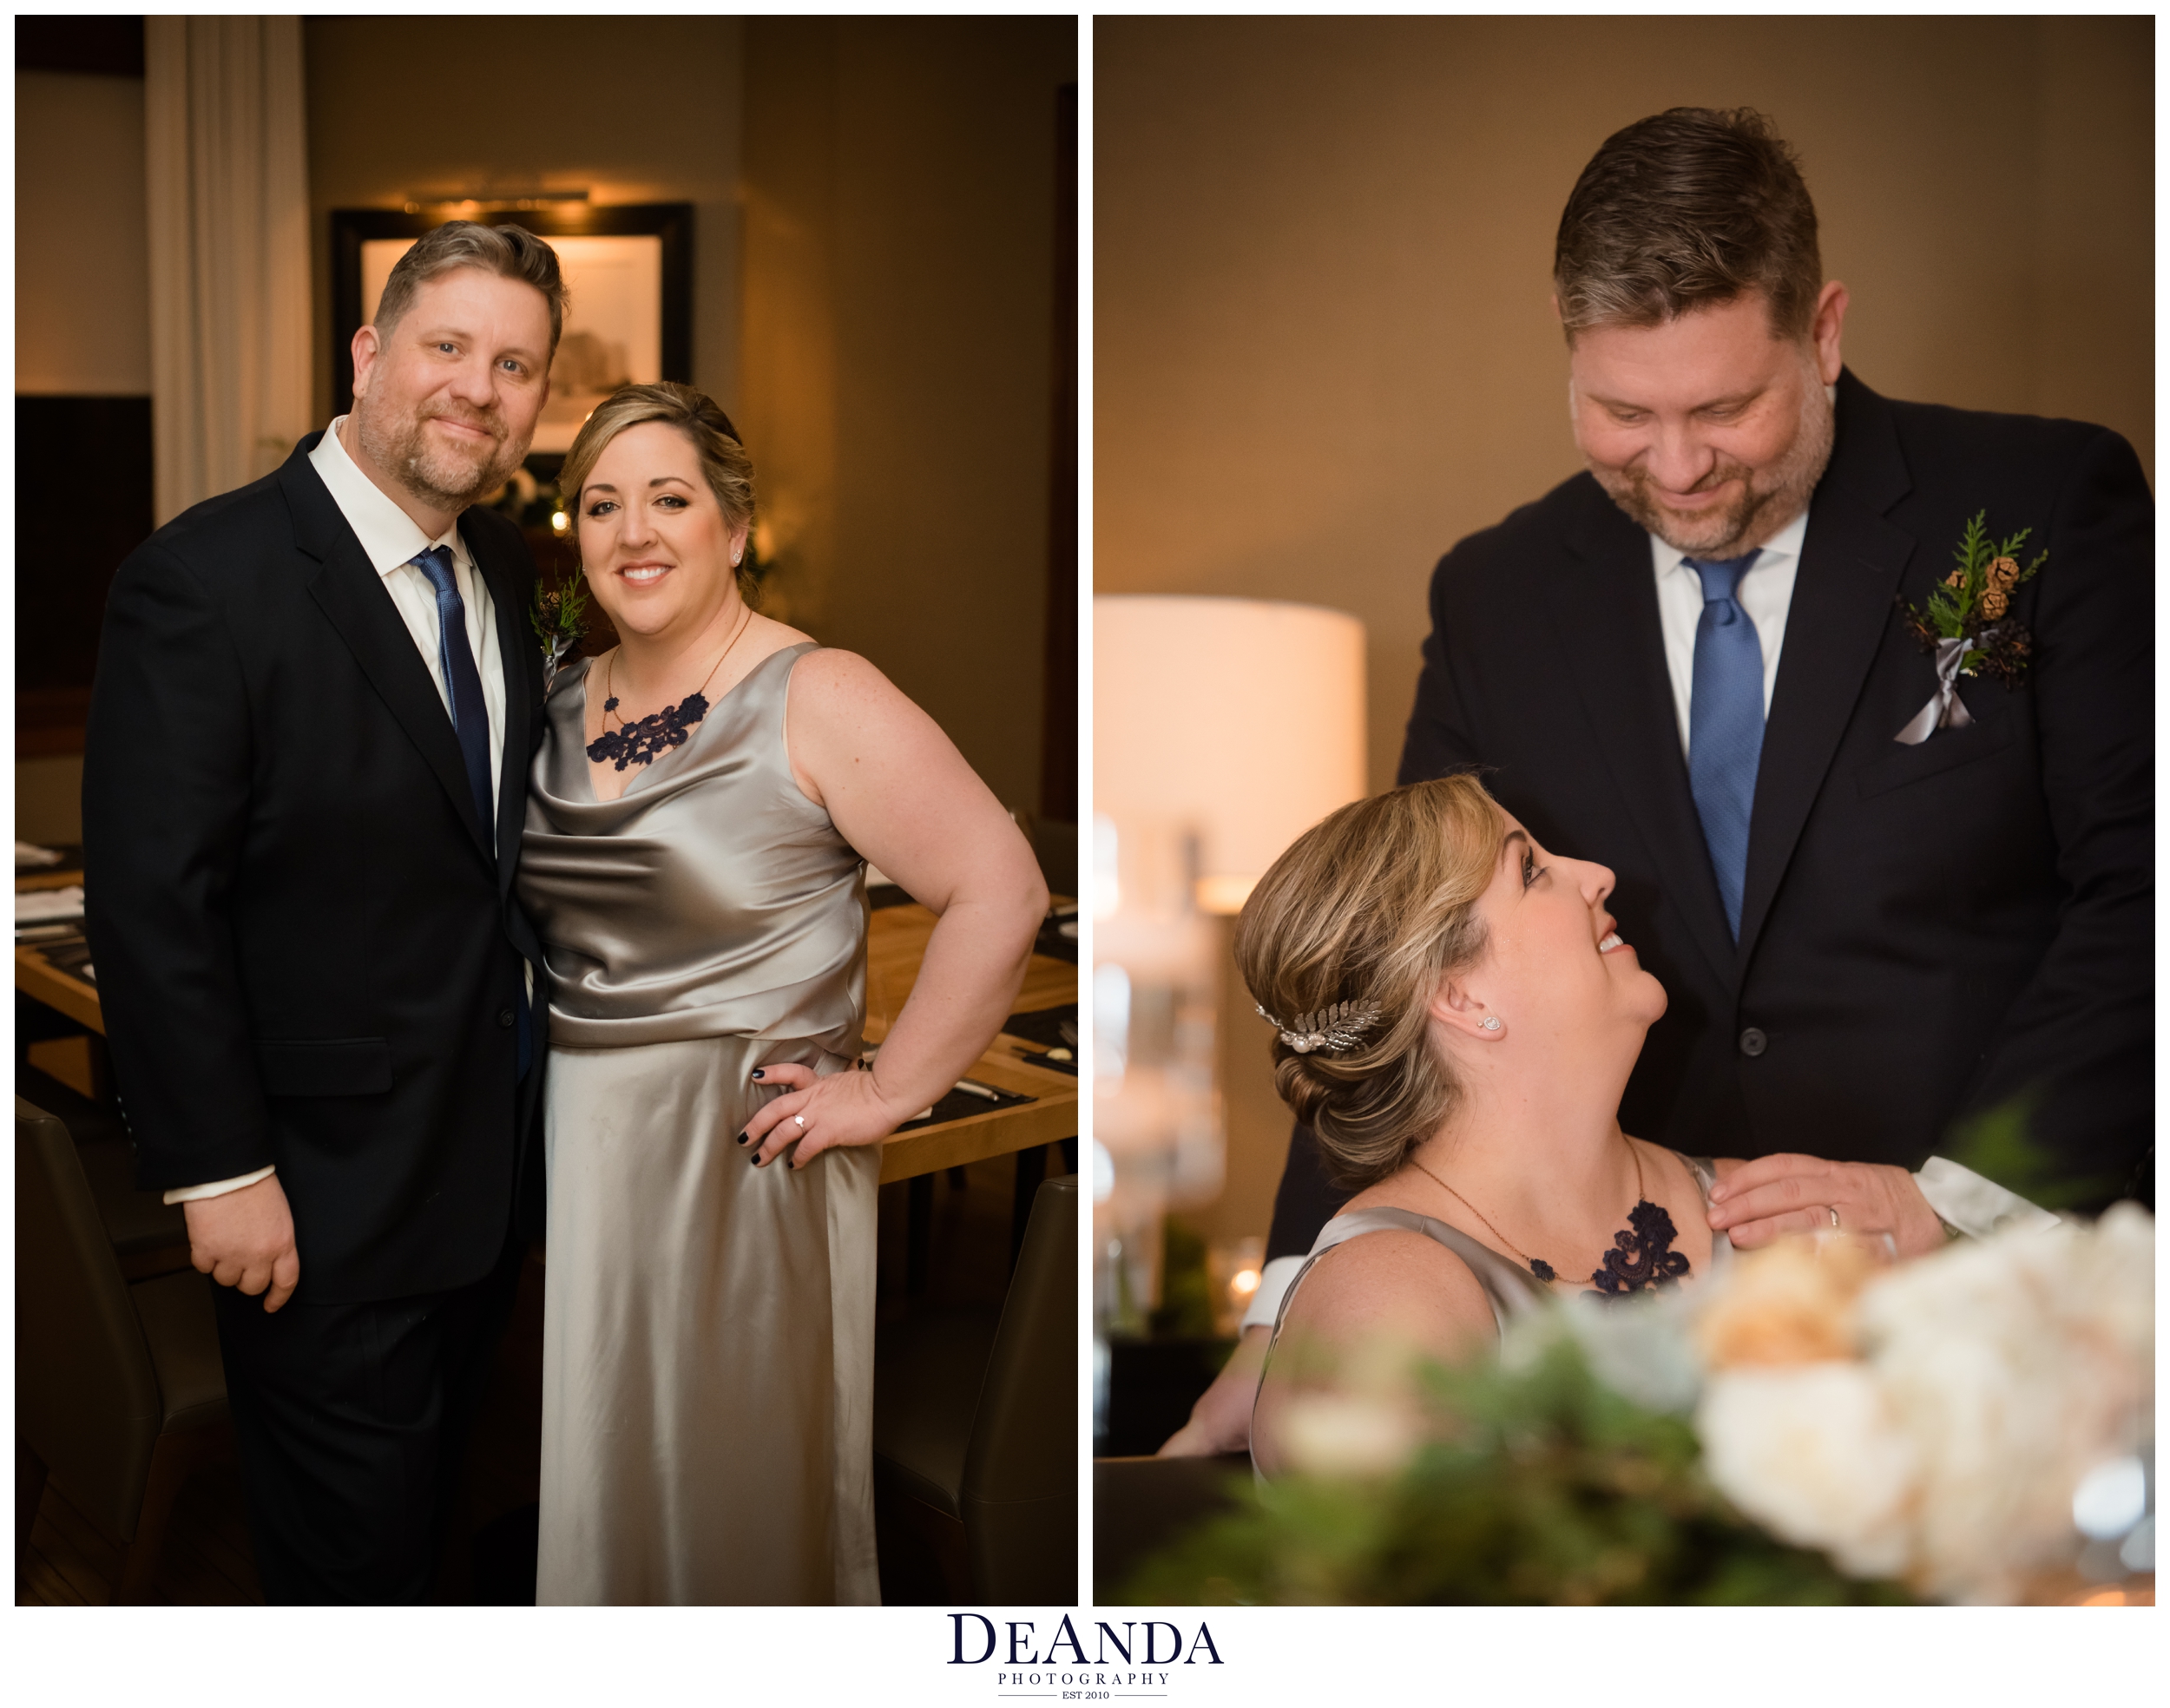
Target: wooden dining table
<point>896,943</point>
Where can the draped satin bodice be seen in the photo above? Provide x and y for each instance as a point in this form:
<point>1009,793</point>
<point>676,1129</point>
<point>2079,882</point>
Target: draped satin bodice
<point>711,899</point>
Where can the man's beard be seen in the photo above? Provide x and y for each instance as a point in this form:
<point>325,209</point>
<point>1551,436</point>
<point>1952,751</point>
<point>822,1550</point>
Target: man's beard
<point>1767,500</point>
<point>444,475</point>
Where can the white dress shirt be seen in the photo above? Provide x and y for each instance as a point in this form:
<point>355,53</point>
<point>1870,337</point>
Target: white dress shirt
<point>393,539</point>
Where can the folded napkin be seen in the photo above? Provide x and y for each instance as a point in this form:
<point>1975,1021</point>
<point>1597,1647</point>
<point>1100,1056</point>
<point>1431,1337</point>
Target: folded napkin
<point>42,907</point>
<point>28,855</point>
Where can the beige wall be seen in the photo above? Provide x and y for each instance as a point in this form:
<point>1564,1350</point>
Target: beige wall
<point>82,292</point>
<point>48,798</point>
<point>898,353</point>
<point>629,109</point>
<point>1322,347</point>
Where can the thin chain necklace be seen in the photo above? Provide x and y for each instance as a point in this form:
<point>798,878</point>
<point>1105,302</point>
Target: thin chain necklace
<point>657,733</point>
<point>1641,1255</point>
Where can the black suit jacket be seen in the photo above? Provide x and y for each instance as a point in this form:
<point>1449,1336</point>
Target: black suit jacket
<point>307,952</point>
<point>1925,931</point>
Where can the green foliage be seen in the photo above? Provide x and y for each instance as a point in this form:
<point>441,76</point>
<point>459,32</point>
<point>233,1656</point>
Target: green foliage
<point>1187,1303</point>
<point>1956,611</point>
<point>558,615</point>
<point>1544,1486</point>
<point>1999,1145</point>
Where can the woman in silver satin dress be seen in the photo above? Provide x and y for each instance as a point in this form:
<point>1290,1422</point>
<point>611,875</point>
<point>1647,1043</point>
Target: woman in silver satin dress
<point>705,800</point>
<point>1457,1018</point>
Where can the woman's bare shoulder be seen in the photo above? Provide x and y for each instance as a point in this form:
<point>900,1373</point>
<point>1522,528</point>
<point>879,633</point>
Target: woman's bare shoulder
<point>1393,1281</point>
<point>830,668</point>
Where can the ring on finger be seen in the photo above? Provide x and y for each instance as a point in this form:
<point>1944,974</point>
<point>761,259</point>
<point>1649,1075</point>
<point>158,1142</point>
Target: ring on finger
<point>1833,1209</point>
<point>801,1120</point>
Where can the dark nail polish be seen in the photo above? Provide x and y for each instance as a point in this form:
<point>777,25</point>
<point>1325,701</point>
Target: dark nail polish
<point>757,1073</point>
<point>742,1138</point>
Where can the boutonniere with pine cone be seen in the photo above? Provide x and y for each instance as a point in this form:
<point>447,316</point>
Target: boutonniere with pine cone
<point>557,616</point>
<point>1969,627</point>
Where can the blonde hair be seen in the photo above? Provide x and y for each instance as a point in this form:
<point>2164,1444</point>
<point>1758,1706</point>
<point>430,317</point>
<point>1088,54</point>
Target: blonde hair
<point>728,470</point>
<point>1374,904</point>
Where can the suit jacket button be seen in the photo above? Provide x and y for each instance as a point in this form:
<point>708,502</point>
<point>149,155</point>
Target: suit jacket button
<point>504,1018</point>
<point>1752,1042</point>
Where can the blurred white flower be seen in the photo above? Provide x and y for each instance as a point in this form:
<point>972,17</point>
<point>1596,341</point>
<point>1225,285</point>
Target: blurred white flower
<point>1813,1453</point>
<point>1996,1376</point>
<point>1641,1346</point>
<point>2017,1364</point>
<point>1347,1435</point>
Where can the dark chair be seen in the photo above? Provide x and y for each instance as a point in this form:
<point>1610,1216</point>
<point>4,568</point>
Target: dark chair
<point>975,1418</point>
<point>120,1393</point>
<point>149,1236</point>
<point>1143,1504</point>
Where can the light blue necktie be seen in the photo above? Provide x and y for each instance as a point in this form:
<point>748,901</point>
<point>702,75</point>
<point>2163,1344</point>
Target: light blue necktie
<point>1725,724</point>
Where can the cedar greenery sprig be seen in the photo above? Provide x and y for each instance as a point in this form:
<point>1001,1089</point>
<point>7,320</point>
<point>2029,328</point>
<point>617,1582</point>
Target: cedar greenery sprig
<point>558,615</point>
<point>1973,602</point>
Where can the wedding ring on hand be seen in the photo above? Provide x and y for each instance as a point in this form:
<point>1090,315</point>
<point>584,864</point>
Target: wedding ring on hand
<point>1833,1209</point>
<point>801,1120</point>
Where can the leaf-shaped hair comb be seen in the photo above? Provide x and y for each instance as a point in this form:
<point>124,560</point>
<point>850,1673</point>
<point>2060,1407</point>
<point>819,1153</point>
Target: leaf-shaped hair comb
<point>1337,1027</point>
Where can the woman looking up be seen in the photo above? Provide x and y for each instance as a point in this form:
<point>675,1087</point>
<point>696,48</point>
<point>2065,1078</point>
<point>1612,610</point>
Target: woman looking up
<point>1455,1018</point>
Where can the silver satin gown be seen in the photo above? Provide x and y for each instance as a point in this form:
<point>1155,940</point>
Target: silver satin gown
<point>708,1327</point>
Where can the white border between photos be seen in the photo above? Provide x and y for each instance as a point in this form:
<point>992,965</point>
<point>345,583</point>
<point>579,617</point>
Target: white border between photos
<point>1085,931</point>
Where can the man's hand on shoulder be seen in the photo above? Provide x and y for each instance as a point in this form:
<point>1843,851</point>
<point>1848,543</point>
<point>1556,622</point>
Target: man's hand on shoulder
<point>246,1240</point>
<point>1755,1202</point>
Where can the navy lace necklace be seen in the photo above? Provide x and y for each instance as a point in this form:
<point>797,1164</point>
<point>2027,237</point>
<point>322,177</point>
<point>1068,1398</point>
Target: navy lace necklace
<point>1642,1254</point>
<point>657,733</point>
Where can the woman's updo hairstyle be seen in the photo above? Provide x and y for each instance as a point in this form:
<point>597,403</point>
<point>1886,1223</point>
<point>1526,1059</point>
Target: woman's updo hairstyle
<point>729,471</point>
<point>1374,904</point>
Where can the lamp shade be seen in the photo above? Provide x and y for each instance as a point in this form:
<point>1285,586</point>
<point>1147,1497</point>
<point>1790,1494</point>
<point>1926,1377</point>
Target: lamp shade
<point>1241,718</point>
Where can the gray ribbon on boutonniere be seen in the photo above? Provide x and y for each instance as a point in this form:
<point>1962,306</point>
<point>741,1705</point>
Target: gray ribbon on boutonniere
<point>1945,709</point>
<point>554,651</point>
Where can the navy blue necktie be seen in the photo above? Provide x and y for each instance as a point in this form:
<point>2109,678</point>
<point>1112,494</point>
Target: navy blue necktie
<point>463,682</point>
<point>470,718</point>
<point>1725,724</point>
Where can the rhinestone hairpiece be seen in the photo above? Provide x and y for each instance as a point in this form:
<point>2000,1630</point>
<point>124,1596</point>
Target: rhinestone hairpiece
<point>1336,1027</point>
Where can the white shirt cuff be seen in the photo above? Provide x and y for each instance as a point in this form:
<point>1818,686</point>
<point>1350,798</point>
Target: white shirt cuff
<point>1963,1199</point>
<point>1273,1282</point>
<point>218,1188</point>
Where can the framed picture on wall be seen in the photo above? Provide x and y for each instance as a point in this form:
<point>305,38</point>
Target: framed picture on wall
<point>629,274</point>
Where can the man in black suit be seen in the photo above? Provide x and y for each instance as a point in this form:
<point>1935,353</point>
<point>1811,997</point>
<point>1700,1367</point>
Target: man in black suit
<point>304,787</point>
<point>1880,899</point>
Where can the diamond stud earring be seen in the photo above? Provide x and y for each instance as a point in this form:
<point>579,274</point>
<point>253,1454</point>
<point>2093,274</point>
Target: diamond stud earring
<point>1490,1022</point>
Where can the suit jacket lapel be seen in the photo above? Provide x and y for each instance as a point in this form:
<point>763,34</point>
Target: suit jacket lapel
<point>1606,613</point>
<point>518,657</point>
<point>351,595</point>
<point>1849,574</point>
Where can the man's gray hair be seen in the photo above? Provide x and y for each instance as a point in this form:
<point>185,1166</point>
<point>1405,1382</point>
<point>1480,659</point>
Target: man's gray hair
<point>510,252</point>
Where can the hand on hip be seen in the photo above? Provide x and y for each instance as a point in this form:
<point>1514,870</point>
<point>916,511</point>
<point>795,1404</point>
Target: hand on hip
<point>816,1114</point>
